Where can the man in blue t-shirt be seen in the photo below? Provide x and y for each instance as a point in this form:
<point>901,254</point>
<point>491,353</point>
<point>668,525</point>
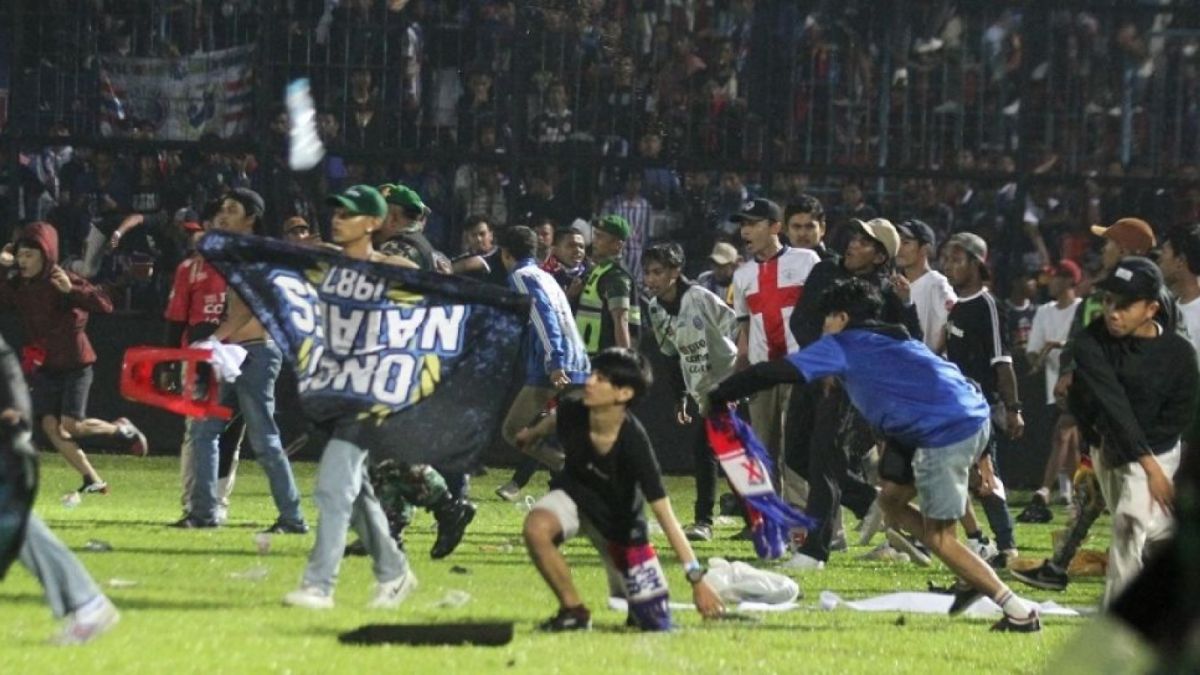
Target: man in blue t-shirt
<point>917,401</point>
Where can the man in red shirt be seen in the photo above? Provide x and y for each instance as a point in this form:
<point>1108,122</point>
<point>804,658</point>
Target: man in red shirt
<point>194,311</point>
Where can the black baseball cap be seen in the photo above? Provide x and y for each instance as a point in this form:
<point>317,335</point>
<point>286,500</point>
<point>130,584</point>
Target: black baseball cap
<point>1134,278</point>
<point>758,209</point>
<point>251,201</point>
<point>918,231</point>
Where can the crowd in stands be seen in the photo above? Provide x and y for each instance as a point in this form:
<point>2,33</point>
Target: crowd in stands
<point>569,110</point>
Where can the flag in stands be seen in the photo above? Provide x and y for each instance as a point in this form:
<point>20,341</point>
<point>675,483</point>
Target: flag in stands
<point>178,99</point>
<point>411,365</point>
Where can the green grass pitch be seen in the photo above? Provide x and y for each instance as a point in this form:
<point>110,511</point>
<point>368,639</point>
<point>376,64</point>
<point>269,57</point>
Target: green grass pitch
<point>207,602</point>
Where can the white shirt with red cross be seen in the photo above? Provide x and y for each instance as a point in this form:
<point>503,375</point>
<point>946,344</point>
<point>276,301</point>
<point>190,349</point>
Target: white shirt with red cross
<point>765,293</point>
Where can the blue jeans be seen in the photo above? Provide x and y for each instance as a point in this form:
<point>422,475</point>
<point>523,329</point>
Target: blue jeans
<point>254,395</point>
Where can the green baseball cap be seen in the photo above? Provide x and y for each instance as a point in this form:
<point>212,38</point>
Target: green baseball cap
<point>361,200</point>
<point>614,225</point>
<point>403,196</point>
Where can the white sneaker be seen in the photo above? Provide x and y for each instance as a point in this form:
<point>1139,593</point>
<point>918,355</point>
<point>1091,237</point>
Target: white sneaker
<point>390,594</point>
<point>309,597</point>
<point>801,561</point>
<point>94,619</point>
<point>872,523</point>
<point>983,548</point>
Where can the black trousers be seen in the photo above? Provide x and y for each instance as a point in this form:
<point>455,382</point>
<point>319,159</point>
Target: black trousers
<point>823,432</point>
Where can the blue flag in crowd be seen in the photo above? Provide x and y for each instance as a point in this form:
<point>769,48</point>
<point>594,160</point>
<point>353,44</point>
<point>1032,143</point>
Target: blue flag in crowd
<point>411,365</point>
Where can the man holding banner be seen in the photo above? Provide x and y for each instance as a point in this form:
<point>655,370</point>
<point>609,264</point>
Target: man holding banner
<point>344,494</point>
<point>383,355</point>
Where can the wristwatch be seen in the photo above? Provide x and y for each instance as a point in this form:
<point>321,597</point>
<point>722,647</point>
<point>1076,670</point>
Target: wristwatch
<point>695,572</point>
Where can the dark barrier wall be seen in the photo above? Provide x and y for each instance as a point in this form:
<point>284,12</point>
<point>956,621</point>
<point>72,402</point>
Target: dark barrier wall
<point>1022,463</point>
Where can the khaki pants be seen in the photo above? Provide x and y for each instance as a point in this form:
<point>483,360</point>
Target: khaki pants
<point>528,403</point>
<point>768,408</point>
<point>1137,522</point>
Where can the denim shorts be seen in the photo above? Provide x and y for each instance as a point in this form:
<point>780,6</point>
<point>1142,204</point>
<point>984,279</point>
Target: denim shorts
<point>941,474</point>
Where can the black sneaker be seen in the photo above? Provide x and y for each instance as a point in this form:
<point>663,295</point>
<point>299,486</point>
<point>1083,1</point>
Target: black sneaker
<point>283,527</point>
<point>452,523</point>
<point>1044,576</point>
<point>90,487</point>
<point>999,561</point>
<point>355,549</point>
<point>964,594</point>
<point>190,523</point>
<point>1008,624</point>
<point>576,618</point>
<point>698,531</point>
<point>1036,512</point>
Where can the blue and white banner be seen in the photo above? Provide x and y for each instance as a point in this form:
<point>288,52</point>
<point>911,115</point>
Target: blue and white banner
<point>411,365</point>
<point>178,99</point>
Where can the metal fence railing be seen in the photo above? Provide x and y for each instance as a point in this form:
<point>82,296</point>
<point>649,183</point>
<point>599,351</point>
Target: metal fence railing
<point>972,114</point>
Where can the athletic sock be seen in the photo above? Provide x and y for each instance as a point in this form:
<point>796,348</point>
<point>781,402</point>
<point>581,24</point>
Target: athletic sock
<point>90,608</point>
<point>1012,604</point>
<point>1065,486</point>
<point>1043,493</point>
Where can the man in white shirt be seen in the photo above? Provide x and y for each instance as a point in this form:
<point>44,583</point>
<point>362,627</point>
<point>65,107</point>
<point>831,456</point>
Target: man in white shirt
<point>1051,328</point>
<point>1180,264</point>
<point>765,290</point>
<point>926,288</point>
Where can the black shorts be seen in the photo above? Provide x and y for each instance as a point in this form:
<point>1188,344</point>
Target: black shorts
<point>61,393</point>
<point>895,465</point>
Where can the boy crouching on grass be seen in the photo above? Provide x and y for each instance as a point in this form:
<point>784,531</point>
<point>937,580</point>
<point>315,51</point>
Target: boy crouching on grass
<point>610,473</point>
<point>915,400</point>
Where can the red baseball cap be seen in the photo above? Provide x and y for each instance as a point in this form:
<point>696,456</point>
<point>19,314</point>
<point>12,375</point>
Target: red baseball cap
<point>1068,268</point>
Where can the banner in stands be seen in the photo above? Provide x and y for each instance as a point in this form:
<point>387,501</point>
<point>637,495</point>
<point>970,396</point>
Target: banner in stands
<point>180,98</point>
<point>411,365</point>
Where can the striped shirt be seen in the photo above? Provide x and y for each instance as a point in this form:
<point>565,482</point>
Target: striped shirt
<point>554,342</point>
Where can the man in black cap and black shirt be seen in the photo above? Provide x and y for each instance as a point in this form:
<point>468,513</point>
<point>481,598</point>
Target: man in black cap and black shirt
<point>823,429</point>
<point>977,343</point>
<point>1135,388</point>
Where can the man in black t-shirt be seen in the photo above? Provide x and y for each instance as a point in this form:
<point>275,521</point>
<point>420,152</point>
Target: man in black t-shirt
<point>610,473</point>
<point>976,341</point>
<point>481,258</point>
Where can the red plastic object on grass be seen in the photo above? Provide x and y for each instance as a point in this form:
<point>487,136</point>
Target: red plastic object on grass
<point>138,381</point>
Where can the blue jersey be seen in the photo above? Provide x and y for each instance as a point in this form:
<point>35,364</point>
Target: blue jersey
<point>903,390</point>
